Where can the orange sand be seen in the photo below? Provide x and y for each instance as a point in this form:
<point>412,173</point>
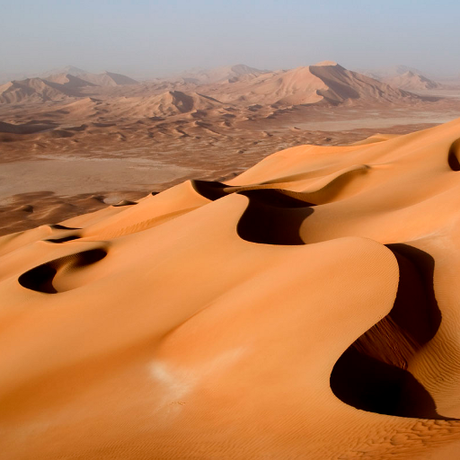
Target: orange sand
<point>307,309</point>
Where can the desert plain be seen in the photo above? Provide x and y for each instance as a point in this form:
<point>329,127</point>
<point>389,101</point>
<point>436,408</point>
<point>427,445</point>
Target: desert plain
<point>238,264</point>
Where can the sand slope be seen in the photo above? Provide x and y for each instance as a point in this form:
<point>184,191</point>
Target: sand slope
<point>305,309</point>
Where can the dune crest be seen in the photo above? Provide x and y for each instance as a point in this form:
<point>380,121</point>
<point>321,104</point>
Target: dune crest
<point>306,308</point>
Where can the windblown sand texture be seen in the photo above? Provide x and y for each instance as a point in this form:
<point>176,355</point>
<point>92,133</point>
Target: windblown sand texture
<point>307,309</point>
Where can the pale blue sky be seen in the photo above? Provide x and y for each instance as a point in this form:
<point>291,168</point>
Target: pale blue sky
<point>158,37</point>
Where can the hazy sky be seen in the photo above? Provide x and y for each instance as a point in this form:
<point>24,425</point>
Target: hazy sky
<point>142,37</point>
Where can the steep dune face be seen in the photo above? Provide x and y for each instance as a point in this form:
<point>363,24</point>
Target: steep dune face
<point>305,309</point>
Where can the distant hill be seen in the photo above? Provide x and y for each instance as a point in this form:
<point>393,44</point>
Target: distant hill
<point>68,70</point>
<point>220,74</point>
<point>108,79</point>
<point>69,81</point>
<point>390,71</point>
<point>412,82</point>
<point>326,82</point>
<point>73,76</point>
<point>10,76</point>
<point>35,90</point>
<point>58,85</point>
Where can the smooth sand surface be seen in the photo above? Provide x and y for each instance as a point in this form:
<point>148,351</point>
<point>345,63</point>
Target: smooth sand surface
<point>60,175</point>
<point>376,120</point>
<point>306,309</point>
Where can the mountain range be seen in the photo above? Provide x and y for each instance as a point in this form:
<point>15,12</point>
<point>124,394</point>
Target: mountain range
<point>324,83</point>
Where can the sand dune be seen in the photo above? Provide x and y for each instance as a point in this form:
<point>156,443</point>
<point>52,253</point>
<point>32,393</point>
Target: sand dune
<point>325,82</point>
<point>166,104</point>
<point>82,108</point>
<point>171,103</point>
<point>306,308</point>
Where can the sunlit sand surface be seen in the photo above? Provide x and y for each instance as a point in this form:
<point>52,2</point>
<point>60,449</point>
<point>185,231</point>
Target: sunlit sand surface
<point>306,308</point>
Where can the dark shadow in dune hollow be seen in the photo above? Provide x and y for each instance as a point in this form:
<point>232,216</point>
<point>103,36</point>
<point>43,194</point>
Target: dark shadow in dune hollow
<point>124,203</point>
<point>63,227</point>
<point>63,239</point>
<point>452,157</point>
<point>212,190</point>
<point>41,278</point>
<point>372,374</point>
<point>272,216</point>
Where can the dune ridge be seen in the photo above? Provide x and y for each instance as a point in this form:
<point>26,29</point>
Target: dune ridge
<point>304,309</point>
